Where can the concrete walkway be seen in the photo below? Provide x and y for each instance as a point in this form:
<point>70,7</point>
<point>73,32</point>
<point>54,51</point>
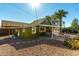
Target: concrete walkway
<point>4,37</point>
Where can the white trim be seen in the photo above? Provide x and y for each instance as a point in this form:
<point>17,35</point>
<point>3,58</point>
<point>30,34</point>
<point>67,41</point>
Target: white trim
<point>18,34</point>
<point>34,29</point>
<point>48,25</point>
<point>43,30</point>
<point>45,25</point>
<point>23,29</point>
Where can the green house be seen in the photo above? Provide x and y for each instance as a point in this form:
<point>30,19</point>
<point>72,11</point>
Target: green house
<point>35,29</point>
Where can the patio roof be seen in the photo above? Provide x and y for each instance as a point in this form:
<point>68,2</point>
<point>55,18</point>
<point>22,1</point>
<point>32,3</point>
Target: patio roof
<point>13,27</point>
<point>5,23</point>
<point>48,25</point>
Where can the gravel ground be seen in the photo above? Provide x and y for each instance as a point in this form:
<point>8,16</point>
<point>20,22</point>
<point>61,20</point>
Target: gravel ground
<point>6,50</point>
<point>41,47</point>
<point>52,48</point>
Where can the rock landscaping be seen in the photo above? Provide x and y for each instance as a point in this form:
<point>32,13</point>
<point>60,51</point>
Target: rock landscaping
<point>39,47</point>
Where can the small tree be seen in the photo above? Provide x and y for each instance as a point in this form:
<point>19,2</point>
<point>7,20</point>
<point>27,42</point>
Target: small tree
<point>74,25</point>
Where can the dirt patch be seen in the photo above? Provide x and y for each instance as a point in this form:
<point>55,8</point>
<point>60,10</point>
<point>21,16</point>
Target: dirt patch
<point>6,50</point>
<point>47,50</point>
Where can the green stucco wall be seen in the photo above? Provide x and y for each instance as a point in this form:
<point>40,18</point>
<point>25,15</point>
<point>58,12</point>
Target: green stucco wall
<point>27,33</point>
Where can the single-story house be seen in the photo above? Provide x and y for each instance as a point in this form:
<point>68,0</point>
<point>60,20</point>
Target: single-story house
<point>30,30</point>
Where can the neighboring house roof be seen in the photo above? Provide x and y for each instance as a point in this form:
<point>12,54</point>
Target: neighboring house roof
<point>5,23</point>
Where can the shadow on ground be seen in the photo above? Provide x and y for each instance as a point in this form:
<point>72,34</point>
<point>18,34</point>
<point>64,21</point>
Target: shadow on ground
<point>19,44</point>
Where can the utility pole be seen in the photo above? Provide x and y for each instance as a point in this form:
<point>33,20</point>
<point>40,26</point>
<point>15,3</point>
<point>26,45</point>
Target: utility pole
<point>36,12</point>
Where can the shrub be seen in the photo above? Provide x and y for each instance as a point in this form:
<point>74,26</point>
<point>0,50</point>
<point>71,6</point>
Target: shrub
<point>74,30</point>
<point>72,43</point>
<point>67,30</point>
<point>70,30</point>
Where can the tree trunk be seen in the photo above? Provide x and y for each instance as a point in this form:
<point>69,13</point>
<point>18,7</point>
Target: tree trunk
<point>60,24</point>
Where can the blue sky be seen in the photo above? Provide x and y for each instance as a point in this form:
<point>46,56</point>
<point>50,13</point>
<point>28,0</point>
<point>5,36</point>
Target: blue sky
<point>26,13</point>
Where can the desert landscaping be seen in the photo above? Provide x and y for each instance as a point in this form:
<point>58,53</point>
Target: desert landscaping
<point>39,47</point>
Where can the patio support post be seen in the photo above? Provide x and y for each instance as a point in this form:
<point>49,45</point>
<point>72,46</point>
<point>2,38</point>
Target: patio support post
<point>18,33</point>
<point>52,29</point>
<point>52,32</point>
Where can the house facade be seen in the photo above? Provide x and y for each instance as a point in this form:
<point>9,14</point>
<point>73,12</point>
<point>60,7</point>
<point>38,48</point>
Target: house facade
<point>36,28</point>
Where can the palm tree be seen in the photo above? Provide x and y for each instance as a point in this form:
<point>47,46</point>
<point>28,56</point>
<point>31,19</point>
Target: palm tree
<point>63,24</point>
<point>54,17</point>
<point>50,18</point>
<point>60,14</point>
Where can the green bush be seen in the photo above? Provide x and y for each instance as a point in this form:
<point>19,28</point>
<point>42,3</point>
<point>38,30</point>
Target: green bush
<point>72,43</point>
<point>70,30</point>
<point>67,30</point>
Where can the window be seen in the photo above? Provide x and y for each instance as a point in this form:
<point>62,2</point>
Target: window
<point>33,30</point>
<point>23,30</point>
<point>42,29</point>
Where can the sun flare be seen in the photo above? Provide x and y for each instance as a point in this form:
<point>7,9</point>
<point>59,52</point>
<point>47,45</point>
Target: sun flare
<point>35,4</point>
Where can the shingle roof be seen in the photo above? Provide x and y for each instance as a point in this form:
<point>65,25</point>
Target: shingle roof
<point>20,24</point>
<point>37,22</point>
<point>14,24</point>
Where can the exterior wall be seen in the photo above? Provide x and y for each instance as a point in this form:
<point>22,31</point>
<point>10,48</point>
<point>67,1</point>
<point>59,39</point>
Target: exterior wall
<point>27,33</point>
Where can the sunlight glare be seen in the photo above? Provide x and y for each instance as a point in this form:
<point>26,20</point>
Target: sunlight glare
<point>35,4</point>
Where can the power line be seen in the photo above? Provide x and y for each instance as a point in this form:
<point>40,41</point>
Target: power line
<point>20,9</point>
